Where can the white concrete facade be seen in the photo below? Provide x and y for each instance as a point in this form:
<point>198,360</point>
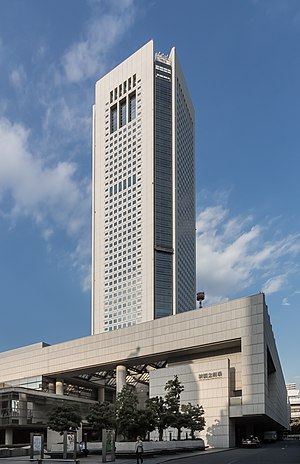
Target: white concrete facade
<point>128,174</point>
<point>294,400</point>
<point>225,355</point>
<point>212,392</point>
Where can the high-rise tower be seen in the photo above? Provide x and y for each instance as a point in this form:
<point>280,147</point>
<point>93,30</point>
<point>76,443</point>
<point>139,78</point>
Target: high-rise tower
<point>143,193</point>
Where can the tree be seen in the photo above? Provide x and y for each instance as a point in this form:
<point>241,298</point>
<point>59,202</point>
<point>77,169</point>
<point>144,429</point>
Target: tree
<point>193,418</point>
<point>126,412</point>
<point>145,422</point>
<point>160,413</point>
<point>102,416</point>
<point>295,425</point>
<point>174,388</point>
<point>65,417</point>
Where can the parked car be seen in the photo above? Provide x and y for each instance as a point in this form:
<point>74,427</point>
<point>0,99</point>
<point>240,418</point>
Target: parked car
<point>251,442</point>
<point>270,436</point>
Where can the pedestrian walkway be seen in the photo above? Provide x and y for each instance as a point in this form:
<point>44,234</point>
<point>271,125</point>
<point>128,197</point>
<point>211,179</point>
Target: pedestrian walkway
<point>94,459</point>
<point>97,459</point>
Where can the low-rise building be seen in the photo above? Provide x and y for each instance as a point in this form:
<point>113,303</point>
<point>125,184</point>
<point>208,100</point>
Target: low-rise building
<point>294,400</point>
<point>225,356</point>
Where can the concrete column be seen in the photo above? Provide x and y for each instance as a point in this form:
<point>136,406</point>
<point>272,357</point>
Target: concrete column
<point>23,408</point>
<point>8,436</point>
<point>121,372</point>
<point>101,394</point>
<point>51,387</point>
<point>59,387</point>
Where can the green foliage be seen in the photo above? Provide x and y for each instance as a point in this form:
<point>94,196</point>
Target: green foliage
<point>160,413</point>
<point>173,389</point>
<point>124,416</point>
<point>169,413</point>
<point>65,417</point>
<point>145,422</point>
<point>102,416</point>
<point>158,407</point>
<point>126,413</point>
<point>193,418</point>
<point>295,425</point>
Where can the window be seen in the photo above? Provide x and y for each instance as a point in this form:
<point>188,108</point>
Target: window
<point>113,119</point>
<point>132,106</point>
<point>122,113</point>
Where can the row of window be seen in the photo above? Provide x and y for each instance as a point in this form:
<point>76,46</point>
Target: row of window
<point>116,319</point>
<point>122,185</point>
<point>122,134</point>
<point>121,326</point>
<point>124,115</point>
<point>129,280</point>
<point>123,88</point>
<point>122,232</point>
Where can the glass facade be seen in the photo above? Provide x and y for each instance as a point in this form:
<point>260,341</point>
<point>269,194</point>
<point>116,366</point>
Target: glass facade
<point>113,119</point>
<point>132,106</point>
<point>122,113</point>
<point>163,228</point>
<point>185,168</point>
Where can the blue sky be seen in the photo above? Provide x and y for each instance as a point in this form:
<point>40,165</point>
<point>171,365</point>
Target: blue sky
<point>242,65</point>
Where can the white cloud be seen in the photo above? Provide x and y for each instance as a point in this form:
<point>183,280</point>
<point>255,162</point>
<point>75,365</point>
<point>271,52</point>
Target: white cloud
<point>274,284</point>
<point>285,302</point>
<point>51,196</point>
<point>3,105</point>
<point>36,189</point>
<point>47,233</point>
<point>18,78</point>
<point>39,179</point>
<point>233,254</point>
<point>88,56</point>
<point>67,122</point>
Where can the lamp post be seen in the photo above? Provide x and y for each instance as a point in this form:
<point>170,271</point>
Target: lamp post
<point>200,298</point>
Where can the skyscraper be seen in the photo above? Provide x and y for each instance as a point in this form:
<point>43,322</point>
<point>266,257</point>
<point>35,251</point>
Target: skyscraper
<point>143,264</point>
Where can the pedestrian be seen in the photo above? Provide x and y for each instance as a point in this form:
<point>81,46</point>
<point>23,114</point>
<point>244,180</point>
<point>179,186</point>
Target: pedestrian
<point>139,449</point>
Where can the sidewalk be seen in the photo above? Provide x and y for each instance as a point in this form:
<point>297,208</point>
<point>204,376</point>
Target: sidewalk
<point>96,459</point>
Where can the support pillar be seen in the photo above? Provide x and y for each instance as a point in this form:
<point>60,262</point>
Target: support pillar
<point>101,394</point>
<point>9,436</point>
<point>121,372</point>
<point>59,387</point>
<point>51,387</point>
<point>23,408</point>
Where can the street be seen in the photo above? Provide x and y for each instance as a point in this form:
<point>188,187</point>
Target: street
<point>283,452</point>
